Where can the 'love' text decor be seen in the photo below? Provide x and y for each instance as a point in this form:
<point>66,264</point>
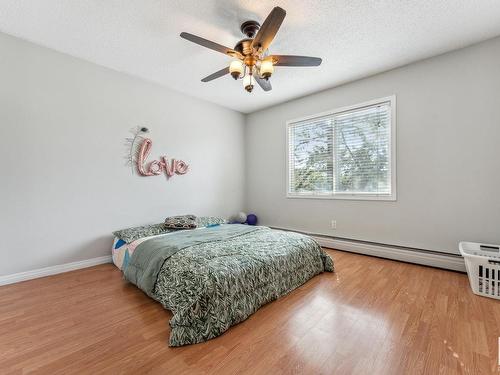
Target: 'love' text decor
<point>156,167</point>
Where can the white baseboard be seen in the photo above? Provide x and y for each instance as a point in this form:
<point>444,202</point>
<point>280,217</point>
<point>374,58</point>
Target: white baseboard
<point>409,255</point>
<point>450,262</point>
<point>53,270</point>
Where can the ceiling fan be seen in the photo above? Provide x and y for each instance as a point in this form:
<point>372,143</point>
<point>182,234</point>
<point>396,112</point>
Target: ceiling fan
<point>252,61</point>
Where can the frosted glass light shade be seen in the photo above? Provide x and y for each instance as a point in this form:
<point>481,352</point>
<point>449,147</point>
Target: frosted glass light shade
<point>236,68</point>
<point>266,68</point>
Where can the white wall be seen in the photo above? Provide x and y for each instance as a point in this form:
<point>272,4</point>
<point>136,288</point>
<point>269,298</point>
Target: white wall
<point>448,158</point>
<point>64,187</point>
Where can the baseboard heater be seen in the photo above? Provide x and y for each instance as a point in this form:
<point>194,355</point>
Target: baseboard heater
<point>401,253</point>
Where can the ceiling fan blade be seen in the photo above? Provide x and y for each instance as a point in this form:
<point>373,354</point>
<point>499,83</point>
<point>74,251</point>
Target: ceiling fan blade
<point>269,29</point>
<point>217,74</point>
<point>211,45</point>
<point>264,83</point>
<point>290,60</point>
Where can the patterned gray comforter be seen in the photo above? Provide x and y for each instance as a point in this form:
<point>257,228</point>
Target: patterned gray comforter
<point>211,286</point>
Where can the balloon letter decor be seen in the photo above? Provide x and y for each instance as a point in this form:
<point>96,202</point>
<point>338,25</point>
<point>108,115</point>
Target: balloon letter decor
<point>156,167</point>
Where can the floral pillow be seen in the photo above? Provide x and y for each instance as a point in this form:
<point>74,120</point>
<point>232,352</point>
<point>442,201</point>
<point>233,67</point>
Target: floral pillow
<point>207,221</point>
<point>131,234</point>
<point>181,222</point>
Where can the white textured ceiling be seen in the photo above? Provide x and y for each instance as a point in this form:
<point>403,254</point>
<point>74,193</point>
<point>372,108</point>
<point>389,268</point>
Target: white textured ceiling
<point>355,38</point>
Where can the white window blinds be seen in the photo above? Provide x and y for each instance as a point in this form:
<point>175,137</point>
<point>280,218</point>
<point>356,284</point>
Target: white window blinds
<point>343,154</point>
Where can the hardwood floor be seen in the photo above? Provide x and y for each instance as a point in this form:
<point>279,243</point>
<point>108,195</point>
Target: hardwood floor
<point>372,316</point>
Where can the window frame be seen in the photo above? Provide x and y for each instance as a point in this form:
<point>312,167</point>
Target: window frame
<point>349,196</point>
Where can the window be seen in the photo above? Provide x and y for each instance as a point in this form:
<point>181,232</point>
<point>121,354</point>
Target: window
<point>344,154</point>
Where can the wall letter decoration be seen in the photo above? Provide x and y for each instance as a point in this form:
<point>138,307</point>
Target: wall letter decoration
<point>138,149</point>
<point>156,167</point>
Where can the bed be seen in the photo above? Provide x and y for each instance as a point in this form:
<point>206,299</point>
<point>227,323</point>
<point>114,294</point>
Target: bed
<point>212,278</point>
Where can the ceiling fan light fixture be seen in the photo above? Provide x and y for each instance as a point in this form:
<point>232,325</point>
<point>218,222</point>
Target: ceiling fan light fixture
<point>266,69</point>
<point>248,82</point>
<point>236,69</point>
<point>251,60</point>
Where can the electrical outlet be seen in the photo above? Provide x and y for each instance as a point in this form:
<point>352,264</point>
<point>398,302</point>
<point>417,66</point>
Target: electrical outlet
<point>333,224</point>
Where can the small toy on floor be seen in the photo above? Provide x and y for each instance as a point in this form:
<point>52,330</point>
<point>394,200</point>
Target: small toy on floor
<point>252,219</point>
<point>243,218</point>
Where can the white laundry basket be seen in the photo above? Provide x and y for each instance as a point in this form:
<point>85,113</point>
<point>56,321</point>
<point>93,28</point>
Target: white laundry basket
<point>483,267</point>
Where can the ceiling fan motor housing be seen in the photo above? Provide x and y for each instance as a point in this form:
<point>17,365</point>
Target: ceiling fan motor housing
<point>250,28</point>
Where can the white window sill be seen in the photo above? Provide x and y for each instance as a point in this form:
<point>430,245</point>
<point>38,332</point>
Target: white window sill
<point>346,196</point>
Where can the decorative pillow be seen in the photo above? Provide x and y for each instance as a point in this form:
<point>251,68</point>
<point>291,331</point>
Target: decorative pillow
<point>131,234</point>
<point>181,222</point>
<point>206,221</point>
